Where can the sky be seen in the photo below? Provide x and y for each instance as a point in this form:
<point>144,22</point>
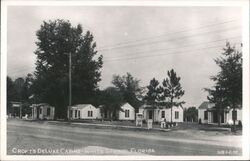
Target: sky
<point>145,41</point>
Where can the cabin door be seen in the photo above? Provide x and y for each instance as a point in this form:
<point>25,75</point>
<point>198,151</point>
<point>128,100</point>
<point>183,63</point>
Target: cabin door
<point>37,112</point>
<point>150,114</point>
<point>215,117</point>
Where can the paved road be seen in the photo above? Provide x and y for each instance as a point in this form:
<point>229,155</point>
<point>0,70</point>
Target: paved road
<point>43,138</point>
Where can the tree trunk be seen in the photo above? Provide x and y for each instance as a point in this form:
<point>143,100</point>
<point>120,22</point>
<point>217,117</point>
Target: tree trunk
<point>219,118</point>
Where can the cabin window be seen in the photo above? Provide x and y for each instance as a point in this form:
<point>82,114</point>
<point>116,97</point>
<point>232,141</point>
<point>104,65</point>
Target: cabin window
<point>162,114</point>
<point>75,113</point>
<point>176,114</point>
<point>126,113</point>
<point>150,114</point>
<point>234,115</point>
<point>205,115</point>
<point>79,114</point>
<point>48,111</point>
<point>90,113</point>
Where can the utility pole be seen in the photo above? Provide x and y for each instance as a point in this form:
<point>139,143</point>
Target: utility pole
<point>70,90</point>
<point>21,112</point>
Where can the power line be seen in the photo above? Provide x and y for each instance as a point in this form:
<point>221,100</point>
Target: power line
<point>162,41</point>
<point>170,39</point>
<point>169,33</point>
<point>156,55</point>
<point>143,39</point>
<point>19,69</point>
<point>146,56</point>
<point>183,46</point>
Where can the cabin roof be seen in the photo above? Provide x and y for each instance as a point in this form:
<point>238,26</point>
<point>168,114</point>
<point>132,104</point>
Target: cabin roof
<point>81,106</point>
<point>206,105</point>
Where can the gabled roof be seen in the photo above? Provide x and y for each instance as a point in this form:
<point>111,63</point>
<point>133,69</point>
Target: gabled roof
<point>126,103</point>
<point>121,104</point>
<point>129,105</point>
<point>40,104</point>
<point>82,106</point>
<point>206,105</point>
<point>147,106</point>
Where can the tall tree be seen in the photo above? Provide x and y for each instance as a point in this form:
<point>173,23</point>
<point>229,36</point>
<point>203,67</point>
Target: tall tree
<point>19,90</point>
<point>229,78</point>
<point>26,88</point>
<point>172,90</point>
<point>12,94</point>
<point>191,114</point>
<point>58,41</point>
<point>19,83</point>
<point>110,100</point>
<point>153,95</point>
<point>26,93</point>
<point>130,88</point>
<point>217,97</point>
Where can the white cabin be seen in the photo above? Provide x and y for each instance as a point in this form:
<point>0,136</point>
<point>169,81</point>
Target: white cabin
<point>160,113</point>
<point>42,111</point>
<point>127,112</point>
<point>208,114</point>
<point>84,111</point>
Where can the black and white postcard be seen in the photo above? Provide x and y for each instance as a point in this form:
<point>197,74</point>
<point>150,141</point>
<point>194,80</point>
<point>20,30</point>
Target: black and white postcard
<point>124,80</point>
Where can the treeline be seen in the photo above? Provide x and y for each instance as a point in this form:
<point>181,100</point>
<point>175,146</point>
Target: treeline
<point>61,48</point>
<point>124,89</point>
<point>19,90</point>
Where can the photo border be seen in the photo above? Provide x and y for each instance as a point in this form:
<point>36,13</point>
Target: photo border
<point>245,40</point>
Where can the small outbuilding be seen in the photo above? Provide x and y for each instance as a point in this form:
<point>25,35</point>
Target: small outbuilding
<point>127,112</point>
<point>42,111</point>
<point>84,111</point>
<point>122,113</point>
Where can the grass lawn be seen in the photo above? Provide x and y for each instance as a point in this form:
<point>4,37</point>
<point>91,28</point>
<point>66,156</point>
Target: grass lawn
<point>207,127</point>
<point>121,123</point>
<point>181,126</point>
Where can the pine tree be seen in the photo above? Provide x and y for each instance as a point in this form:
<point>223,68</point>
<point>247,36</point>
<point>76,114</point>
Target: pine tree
<point>217,97</point>
<point>229,78</point>
<point>153,96</point>
<point>172,90</point>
